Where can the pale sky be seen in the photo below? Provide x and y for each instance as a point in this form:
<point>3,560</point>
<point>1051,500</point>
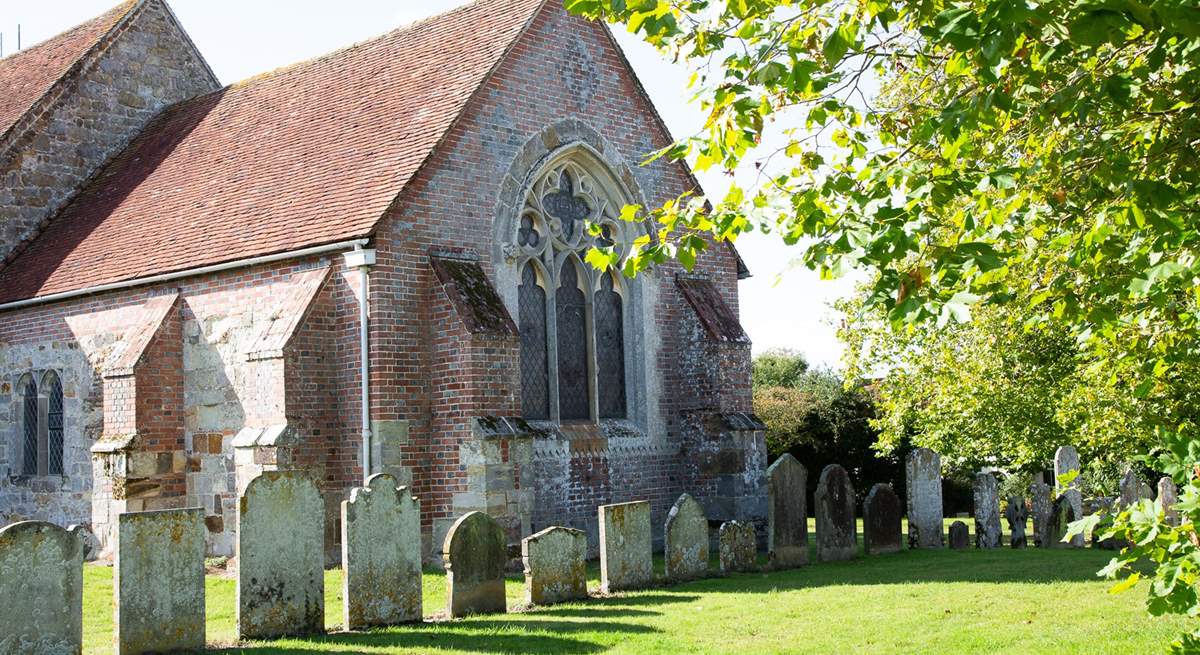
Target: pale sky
<point>782,306</point>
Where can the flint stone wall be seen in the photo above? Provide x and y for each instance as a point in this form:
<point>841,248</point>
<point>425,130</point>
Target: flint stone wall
<point>381,555</point>
<point>625,546</point>
<point>685,540</point>
<point>475,552</point>
<point>158,593</point>
<point>41,584</point>
<point>787,513</point>
<point>1066,460</point>
<point>555,566</point>
<point>739,547</point>
<point>988,531</point>
<point>881,521</point>
<point>923,472</point>
<point>281,556</point>
<point>834,502</point>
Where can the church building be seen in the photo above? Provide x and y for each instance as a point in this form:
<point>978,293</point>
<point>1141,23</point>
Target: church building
<point>370,262</point>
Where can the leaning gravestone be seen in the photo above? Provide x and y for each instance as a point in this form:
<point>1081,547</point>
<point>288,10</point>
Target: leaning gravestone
<point>555,566</point>
<point>381,555</point>
<point>1061,516</point>
<point>1018,516</point>
<point>834,504</point>
<point>281,557</point>
<point>739,548</point>
<point>1168,496</point>
<point>475,552</point>
<point>1066,460</point>
<point>881,521</point>
<point>923,469</point>
<point>686,540</point>
<point>987,511</point>
<point>1039,499</point>
<point>960,536</point>
<point>787,513</point>
<point>158,592</point>
<point>626,560</point>
<point>41,589</point>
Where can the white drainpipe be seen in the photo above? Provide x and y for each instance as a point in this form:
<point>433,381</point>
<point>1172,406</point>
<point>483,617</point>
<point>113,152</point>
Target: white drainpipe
<point>363,260</point>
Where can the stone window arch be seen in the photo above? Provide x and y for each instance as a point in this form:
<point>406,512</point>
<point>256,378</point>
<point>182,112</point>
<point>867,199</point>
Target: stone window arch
<point>573,351</point>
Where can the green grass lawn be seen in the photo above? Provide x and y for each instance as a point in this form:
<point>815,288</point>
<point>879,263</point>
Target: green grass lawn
<point>1002,601</point>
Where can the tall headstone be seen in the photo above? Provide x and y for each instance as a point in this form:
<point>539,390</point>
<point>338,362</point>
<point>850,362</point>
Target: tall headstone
<point>625,546</point>
<point>787,513</point>
<point>987,511</point>
<point>1168,496</point>
<point>881,521</point>
<point>1039,499</point>
<point>960,536</point>
<point>1061,516</point>
<point>475,552</point>
<point>1066,460</point>
<point>41,589</point>
<point>381,555</point>
<point>837,536</point>
<point>555,566</point>
<point>281,557</point>
<point>1131,490</point>
<point>686,540</point>
<point>1018,517</point>
<point>739,548</point>
<point>158,591</point>
<point>923,469</point>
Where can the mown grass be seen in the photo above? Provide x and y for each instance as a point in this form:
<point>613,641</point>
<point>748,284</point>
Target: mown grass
<point>1001,601</point>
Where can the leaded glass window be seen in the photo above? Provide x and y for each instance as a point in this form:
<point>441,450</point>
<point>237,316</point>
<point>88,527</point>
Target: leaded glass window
<point>54,424</point>
<point>29,426</point>
<point>572,340</point>
<point>610,349</point>
<point>535,387</point>
<point>574,401</point>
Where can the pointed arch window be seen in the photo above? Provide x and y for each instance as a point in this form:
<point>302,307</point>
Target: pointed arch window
<point>30,427</point>
<point>572,340</point>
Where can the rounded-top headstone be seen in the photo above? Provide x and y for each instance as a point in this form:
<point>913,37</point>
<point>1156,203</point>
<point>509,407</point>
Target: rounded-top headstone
<point>960,536</point>
<point>1066,460</point>
<point>787,513</point>
<point>881,521</point>
<point>837,536</point>
<point>41,582</point>
<point>475,552</point>
<point>381,555</point>
<point>686,540</point>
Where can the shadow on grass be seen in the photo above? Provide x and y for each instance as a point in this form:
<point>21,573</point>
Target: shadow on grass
<point>508,635</point>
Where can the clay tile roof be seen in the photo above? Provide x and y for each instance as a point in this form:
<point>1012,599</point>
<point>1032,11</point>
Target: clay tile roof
<point>307,155</point>
<point>29,74</point>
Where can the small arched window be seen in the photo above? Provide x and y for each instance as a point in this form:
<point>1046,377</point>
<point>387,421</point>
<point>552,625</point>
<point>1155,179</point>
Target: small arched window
<point>29,427</point>
<point>52,387</point>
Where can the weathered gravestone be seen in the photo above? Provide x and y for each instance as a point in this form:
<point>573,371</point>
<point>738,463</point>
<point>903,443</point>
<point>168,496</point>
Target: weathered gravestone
<point>1018,516</point>
<point>1131,489</point>
<point>555,566</point>
<point>787,513</point>
<point>1066,460</point>
<point>686,540</point>
<point>1061,515</point>
<point>281,557</point>
<point>41,589</point>
<point>625,555</point>
<point>987,511</point>
<point>960,536</point>
<point>923,473</point>
<point>739,549</point>
<point>881,521</point>
<point>1168,496</point>
<point>381,555</point>
<point>834,504</point>
<point>475,552</point>
<point>1039,499</point>
<point>158,592</point>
